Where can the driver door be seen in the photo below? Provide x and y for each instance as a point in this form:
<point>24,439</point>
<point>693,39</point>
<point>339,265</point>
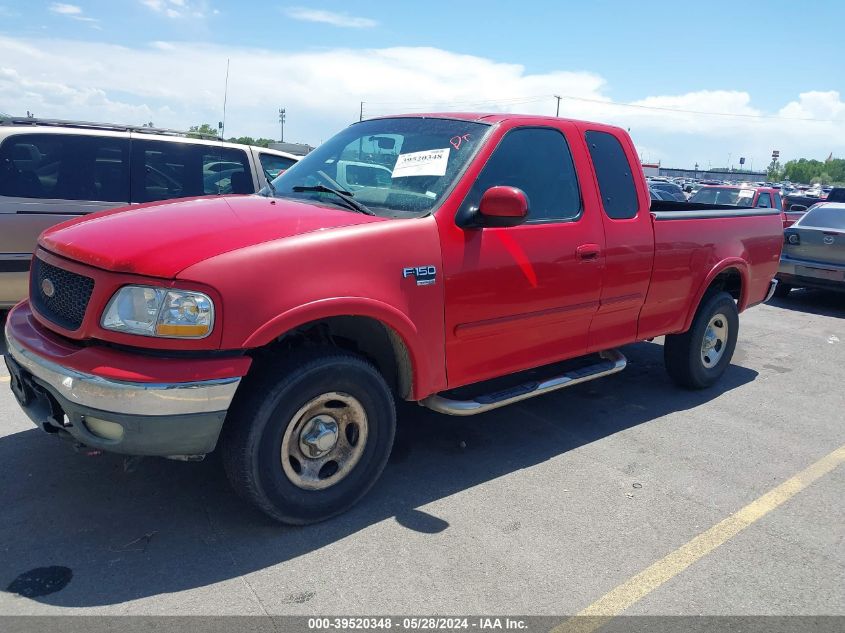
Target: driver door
<point>524,296</point>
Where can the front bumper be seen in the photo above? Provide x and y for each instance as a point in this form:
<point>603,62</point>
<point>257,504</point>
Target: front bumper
<point>142,418</point>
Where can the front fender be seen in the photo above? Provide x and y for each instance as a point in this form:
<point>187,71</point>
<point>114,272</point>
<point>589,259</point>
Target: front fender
<point>426,378</point>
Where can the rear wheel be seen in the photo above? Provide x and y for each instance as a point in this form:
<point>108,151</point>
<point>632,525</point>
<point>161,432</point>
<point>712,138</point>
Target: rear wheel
<point>310,437</point>
<point>698,357</point>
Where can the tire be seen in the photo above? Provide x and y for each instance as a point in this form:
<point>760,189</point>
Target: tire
<point>782,290</point>
<point>686,361</point>
<point>298,406</point>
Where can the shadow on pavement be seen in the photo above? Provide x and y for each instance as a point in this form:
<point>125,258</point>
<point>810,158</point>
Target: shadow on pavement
<point>170,526</point>
<point>821,302</point>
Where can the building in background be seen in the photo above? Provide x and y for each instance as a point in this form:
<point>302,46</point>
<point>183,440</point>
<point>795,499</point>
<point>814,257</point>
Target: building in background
<point>298,149</point>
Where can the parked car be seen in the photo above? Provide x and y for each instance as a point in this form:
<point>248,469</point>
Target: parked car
<point>814,251</point>
<point>757,197</point>
<point>675,192</point>
<point>836,194</point>
<point>54,170</point>
<point>796,205</point>
<point>283,328</point>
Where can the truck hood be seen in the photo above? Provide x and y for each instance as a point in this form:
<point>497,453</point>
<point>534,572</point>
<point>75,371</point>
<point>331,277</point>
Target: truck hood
<point>163,238</point>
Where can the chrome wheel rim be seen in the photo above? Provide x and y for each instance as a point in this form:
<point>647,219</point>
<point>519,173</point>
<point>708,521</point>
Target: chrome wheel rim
<point>324,441</point>
<point>715,340</point>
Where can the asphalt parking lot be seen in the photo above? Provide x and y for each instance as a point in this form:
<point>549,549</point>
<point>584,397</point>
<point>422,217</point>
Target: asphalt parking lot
<point>537,509</point>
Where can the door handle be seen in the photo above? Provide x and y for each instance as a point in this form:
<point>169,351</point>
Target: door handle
<point>588,252</point>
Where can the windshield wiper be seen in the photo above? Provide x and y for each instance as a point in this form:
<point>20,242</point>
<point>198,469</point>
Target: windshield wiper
<point>346,196</point>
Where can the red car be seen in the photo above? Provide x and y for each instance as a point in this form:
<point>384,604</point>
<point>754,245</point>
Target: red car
<point>737,195</point>
<point>283,327</point>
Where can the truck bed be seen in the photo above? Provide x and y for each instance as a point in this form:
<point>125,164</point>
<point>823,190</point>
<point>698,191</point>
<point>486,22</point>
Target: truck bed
<point>670,209</point>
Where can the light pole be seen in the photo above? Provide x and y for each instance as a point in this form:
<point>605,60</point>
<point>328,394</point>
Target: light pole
<point>282,125</point>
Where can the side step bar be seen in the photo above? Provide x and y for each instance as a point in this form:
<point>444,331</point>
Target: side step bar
<point>613,361</point>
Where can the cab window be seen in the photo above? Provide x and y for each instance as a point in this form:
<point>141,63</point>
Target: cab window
<point>537,161</point>
<point>765,201</point>
<point>613,172</point>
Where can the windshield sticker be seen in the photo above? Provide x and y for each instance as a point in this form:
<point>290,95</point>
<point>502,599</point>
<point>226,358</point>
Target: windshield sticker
<point>746,193</point>
<point>456,141</point>
<point>431,162</point>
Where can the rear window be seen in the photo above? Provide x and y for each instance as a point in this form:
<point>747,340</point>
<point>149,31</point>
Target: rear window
<point>724,195</point>
<point>616,182</point>
<point>824,217</point>
<point>163,170</point>
<point>65,167</point>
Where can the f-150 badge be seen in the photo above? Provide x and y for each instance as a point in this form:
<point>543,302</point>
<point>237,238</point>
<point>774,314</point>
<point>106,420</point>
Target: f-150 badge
<point>425,275</point>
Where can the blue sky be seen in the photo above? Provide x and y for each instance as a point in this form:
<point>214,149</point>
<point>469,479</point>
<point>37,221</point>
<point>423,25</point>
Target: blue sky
<point>772,65</point>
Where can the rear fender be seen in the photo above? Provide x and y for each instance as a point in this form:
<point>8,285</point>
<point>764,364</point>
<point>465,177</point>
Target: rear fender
<point>736,263</point>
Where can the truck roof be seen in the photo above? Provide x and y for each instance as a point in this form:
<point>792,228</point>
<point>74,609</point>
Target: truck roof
<point>493,117</point>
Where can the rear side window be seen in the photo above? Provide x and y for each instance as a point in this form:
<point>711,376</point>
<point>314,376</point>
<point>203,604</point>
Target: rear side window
<point>274,165</point>
<point>164,170</point>
<point>778,201</point>
<point>765,200</point>
<point>616,182</point>
<point>65,167</point>
<point>538,161</point>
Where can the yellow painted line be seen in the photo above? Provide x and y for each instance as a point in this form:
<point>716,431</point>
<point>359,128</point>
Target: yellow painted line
<point>4,378</point>
<point>628,593</point>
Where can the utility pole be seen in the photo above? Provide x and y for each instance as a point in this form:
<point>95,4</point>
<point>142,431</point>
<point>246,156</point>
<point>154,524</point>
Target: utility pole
<point>282,125</point>
<point>361,112</point>
<point>557,112</point>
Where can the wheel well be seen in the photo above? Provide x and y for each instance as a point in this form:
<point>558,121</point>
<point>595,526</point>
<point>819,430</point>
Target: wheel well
<point>370,338</point>
<point>730,281</point>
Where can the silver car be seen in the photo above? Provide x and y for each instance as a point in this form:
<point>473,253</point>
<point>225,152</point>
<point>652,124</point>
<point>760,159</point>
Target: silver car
<point>814,251</point>
<point>52,171</point>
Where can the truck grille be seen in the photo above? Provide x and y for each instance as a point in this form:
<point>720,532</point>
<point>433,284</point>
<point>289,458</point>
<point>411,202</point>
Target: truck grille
<point>70,294</point>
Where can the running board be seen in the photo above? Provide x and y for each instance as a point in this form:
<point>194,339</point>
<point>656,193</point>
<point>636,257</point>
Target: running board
<point>613,361</point>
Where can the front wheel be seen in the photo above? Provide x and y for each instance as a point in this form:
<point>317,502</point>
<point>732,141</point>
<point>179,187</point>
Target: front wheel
<point>310,436</point>
<point>698,357</point>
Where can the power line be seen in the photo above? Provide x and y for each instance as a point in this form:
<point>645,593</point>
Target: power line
<point>683,111</point>
<point>511,101</point>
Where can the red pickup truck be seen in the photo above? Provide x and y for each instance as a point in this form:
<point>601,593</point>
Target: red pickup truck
<point>460,251</point>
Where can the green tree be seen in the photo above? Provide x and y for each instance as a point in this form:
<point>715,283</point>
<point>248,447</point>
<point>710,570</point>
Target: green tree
<point>248,140</point>
<point>202,131</point>
<point>775,171</point>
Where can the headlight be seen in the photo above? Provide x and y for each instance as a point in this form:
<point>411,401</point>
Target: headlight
<point>150,311</point>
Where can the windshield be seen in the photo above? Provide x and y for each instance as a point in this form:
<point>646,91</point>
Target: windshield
<point>724,195</point>
<point>824,216</point>
<point>399,167</point>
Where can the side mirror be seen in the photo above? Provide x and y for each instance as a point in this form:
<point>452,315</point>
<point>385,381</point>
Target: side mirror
<point>502,206</point>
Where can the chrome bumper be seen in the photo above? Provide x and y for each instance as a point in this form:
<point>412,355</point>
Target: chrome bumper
<point>130,398</point>
<point>772,285</point>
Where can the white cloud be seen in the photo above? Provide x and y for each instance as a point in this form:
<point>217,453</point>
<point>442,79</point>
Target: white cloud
<point>180,8</point>
<point>75,12</point>
<point>329,17</point>
<point>178,84</point>
<point>65,9</point>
